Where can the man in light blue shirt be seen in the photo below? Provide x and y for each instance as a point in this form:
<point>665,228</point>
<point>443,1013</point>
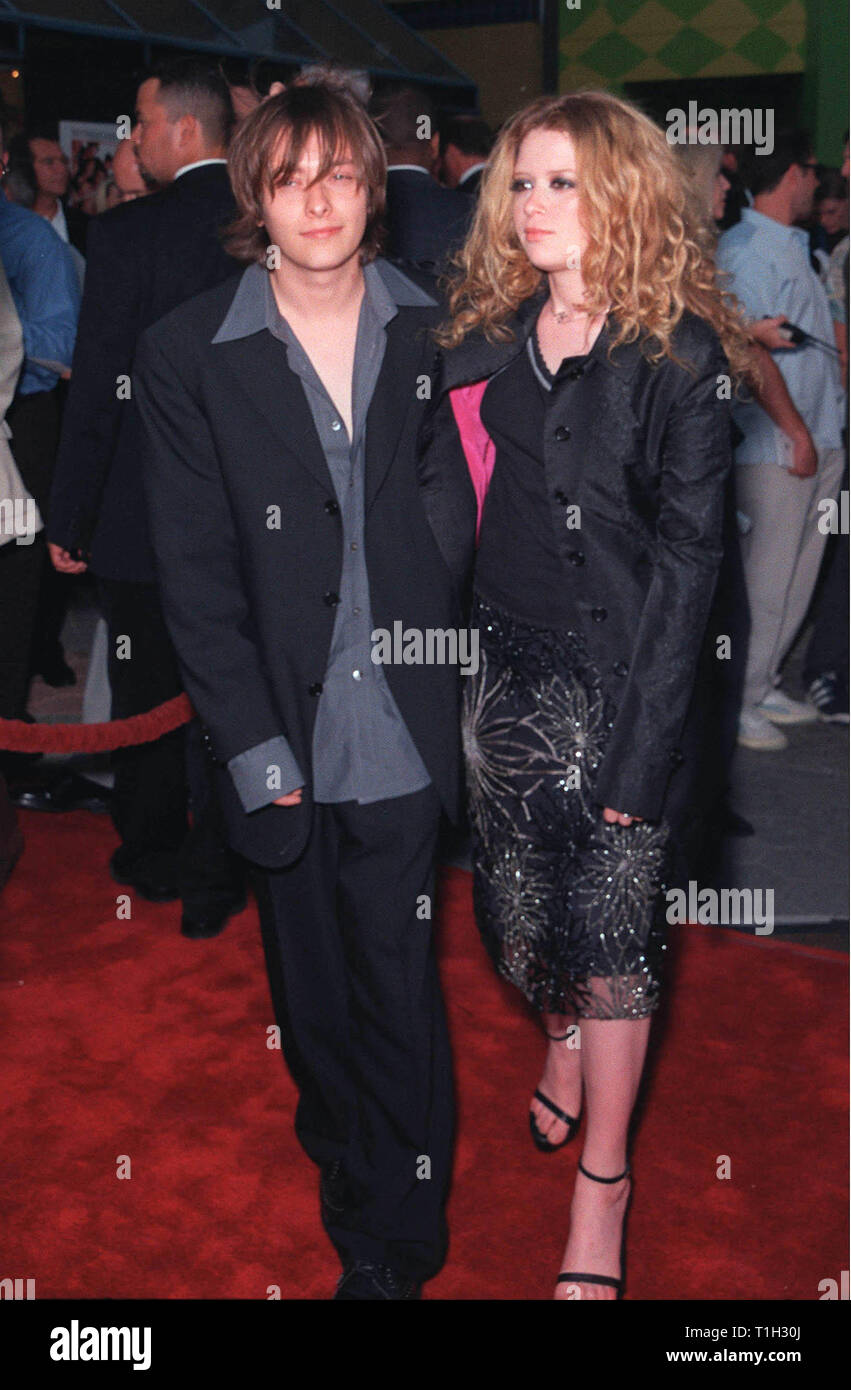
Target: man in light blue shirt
<point>46,291</point>
<point>766,257</point>
<point>46,294</point>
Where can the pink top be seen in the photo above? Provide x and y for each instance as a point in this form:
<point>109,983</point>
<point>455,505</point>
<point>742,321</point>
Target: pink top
<point>479,448</point>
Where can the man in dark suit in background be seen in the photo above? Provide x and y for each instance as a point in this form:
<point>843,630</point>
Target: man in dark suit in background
<point>465,146</point>
<point>425,222</point>
<point>144,258</point>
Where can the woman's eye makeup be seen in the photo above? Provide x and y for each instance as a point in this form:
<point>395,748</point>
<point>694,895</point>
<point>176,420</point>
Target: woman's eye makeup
<point>558,181</point>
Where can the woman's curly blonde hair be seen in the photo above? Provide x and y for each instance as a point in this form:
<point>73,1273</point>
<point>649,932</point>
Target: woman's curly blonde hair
<point>649,254</point>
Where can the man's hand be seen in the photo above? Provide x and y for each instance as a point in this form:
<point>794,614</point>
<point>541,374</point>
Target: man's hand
<point>768,332</point>
<point>804,456</point>
<point>63,561</point>
<point>619,817</point>
<point>291,799</point>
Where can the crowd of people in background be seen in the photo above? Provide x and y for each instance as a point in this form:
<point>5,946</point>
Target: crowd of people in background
<point>606,649</point>
<point>785,204</point>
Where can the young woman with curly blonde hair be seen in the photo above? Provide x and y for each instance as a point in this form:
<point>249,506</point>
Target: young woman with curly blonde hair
<point>585,379</point>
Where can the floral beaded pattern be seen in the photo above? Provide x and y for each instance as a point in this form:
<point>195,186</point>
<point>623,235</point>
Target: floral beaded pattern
<point>569,907</point>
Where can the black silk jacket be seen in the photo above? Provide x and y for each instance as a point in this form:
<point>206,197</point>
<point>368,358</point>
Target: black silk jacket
<point>645,452</point>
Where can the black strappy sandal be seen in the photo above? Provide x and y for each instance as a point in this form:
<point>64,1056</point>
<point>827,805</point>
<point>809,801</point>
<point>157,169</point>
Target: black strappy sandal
<point>604,1279</point>
<point>540,1140</point>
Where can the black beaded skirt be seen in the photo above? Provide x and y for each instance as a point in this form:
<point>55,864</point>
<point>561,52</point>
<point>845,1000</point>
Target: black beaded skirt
<point>571,910</point>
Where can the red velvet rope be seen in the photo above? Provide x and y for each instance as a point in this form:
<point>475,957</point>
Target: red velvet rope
<point>16,736</point>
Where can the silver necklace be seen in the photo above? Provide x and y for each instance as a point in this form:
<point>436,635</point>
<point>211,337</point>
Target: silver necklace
<point>560,316</point>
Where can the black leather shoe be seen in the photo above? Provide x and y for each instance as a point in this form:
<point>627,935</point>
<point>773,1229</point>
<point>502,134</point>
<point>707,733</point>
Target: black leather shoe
<point>198,928</point>
<point>332,1191</point>
<point>363,1281</point>
<point>67,792</point>
<point>154,886</point>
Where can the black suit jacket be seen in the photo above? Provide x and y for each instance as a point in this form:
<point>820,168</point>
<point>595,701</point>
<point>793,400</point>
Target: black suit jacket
<point>230,434</point>
<point>425,221</point>
<point>77,223</point>
<point>645,452</point>
<point>143,259</point>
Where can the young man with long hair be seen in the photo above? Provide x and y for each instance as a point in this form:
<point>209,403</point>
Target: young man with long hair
<point>282,412</point>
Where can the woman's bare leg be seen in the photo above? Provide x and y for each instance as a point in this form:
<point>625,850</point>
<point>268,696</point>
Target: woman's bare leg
<point>562,1077</point>
<point>612,1053</point>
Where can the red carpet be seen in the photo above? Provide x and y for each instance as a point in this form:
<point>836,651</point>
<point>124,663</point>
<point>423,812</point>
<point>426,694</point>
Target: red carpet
<point>122,1038</point>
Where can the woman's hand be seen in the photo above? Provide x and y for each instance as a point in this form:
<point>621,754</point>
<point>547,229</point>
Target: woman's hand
<point>619,817</point>
<point>291,798</point>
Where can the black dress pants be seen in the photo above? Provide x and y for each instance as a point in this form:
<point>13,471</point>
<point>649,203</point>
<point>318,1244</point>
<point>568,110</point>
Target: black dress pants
<point>34,421</point>
<point>356,992</point>
<point>155,783</point>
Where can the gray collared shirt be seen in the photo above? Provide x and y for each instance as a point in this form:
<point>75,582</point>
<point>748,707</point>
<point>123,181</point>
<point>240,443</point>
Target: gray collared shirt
<point>362,750</point>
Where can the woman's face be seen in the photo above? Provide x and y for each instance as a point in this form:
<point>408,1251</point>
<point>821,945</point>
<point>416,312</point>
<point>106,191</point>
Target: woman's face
<point>546,204</point>
<point>719,194</point>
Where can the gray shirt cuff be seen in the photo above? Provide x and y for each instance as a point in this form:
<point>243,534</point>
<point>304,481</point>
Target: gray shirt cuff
<point>263,773</point>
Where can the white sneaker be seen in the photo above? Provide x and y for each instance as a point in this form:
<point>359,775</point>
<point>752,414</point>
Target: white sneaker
<point>755,731</point>
<point>780,708</point>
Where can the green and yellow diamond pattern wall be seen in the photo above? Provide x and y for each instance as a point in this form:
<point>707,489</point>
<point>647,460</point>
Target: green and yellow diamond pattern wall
<point>609,42</point>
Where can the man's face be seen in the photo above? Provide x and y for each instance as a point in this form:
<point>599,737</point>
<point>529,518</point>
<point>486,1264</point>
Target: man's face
<point>804,189</point>
<point>51,167</point>
<point>833,215</point>
<point>155,137</point>
<point>318,224</point>
<point>453,165</point>
<point>720,189</point>
<point>127,179</point>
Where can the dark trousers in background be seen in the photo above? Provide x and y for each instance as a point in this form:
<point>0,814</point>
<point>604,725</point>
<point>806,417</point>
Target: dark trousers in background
<point>156,782</point>
<point>355,988</point>
<point>34,421</point>
<point>55,590</point>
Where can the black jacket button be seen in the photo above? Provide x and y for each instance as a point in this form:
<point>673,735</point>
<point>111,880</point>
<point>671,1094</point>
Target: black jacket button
<point>599,614</point>
<point>675,757</point>
<point>560,496</point>
<point>315,688</point>
<point>332,508</point>
<point>620,668</point>
<point>576,557</point>
<point>562,433</point>
<point>332,599</point>
<point>574,372</point>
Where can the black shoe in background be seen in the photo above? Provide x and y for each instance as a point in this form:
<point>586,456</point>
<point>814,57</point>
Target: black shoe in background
<point>59,791</point>
<point>829,694</point>
<point>152,881</point>
<point>198,926</point>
